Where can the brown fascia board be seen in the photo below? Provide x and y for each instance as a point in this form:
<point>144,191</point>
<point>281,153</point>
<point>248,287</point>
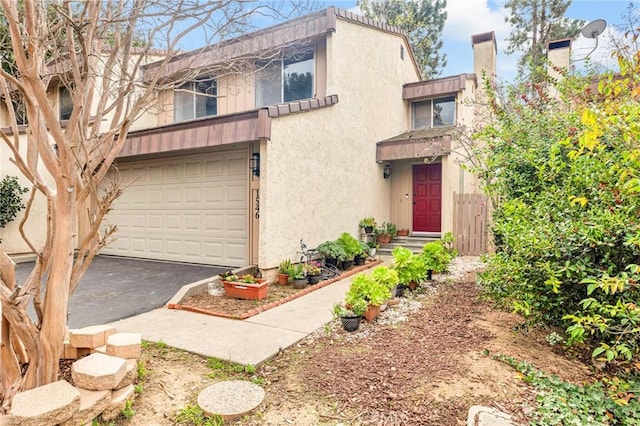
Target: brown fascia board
<point>436,87</point>
<point>295,32</point>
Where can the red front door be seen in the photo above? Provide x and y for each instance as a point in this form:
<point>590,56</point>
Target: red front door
<point>427,197</point>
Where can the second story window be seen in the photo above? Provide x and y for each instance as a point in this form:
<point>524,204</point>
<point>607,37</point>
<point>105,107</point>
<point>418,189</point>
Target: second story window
<point>195,99</point>
<point>66,103</point>
<point>285,80</point>
<point>438,112</point>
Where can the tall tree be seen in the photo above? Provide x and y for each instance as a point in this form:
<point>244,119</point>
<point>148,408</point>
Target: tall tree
<point>96,51</point>
<point>534,23</point>
<point>422,20</point>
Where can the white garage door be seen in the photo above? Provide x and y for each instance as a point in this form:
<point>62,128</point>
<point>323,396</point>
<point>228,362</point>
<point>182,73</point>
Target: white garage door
<point>188,209</point>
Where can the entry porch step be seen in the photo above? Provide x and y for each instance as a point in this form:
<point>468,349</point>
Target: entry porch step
<point>414,243</point>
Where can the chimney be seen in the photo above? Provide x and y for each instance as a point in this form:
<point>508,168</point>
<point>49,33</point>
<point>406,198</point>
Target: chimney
<point>558,57</point>
<point>484,60</point>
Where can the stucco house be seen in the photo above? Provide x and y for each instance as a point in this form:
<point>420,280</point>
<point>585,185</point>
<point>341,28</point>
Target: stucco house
<point>335,126</point>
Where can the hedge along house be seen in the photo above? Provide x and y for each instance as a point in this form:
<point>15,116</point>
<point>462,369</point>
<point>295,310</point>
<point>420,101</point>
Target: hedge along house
<point>274,141</point>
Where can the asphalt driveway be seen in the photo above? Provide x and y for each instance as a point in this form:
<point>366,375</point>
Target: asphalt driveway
<point>114,288</point>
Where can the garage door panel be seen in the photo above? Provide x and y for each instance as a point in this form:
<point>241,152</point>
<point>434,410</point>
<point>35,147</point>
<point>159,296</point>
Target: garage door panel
<point>185,209</point>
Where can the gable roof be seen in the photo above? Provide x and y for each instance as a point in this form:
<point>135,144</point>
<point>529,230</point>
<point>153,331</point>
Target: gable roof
<point>303,30</point>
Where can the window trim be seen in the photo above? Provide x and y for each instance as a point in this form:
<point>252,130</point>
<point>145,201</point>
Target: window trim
<point>302,52</point>
<point>194,97</point>
<point>453,97</point>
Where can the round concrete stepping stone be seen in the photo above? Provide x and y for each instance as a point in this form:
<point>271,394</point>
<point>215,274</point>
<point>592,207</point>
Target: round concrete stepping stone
<point>230,399</point>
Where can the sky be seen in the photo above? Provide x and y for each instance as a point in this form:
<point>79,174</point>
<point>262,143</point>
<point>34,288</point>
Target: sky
<point>469,17</point>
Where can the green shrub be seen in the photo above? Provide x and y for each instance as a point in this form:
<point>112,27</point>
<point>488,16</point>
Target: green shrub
<point>564,178</point>
<point>332,250</point>
<point>10,199</point>
<point>350,245</point>
<point>435,257</point>
<point>409,266</point>
<point>374,288</point>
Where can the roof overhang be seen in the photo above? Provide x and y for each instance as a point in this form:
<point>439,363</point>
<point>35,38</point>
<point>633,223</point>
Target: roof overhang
<point>248,126</point>
<point>419,143</point>
<point>436,87</point>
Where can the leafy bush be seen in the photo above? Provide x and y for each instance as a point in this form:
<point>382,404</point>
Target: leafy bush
<point>10,199</point>
<point>350,245</point>
<point>332,250</point>
<point>409,266</point>
<point>564,178</point>
<point>435,257</point>
<point>374,288</point>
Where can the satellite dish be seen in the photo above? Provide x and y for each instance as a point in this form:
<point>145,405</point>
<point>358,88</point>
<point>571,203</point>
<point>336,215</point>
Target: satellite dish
<point>594,28</point>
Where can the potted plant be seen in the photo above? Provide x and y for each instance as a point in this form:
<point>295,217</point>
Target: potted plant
<point>298,277</point>
<point>374,289</point>
<point>386,232</point>
<point>373,248</point>
<point>404,232</point>
<point>332,252</point>
<point>435,257</point>
<point>350,318</point>
<point>244,287</point>
<point>361,257</point>
<point>410,267</point>
<point>313,273</point>
<point>368,224</point>
<point>283,272</point>
<point>351,247</point>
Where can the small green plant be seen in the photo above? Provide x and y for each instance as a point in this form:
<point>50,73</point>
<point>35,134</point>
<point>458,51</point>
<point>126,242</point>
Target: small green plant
<point>250,369</point>
<point>297,272</point>
<point>367,222</point>
<point>435,256</point>
<point>138,389</point>
<point>142,369</point>
<point>258,380</point>
<point>553,338</point>
<point>374,289</point>
<point>410,267</point>
<point>332,250</point>
<point>161,345</point>
<point>216,364</point>
<point>357,307</point>
<point>285,267</point>
<point>128,411</point>
<point>193,415</point>
<point>387,228</point>
<point>448,240</point>
<point>350,245</point>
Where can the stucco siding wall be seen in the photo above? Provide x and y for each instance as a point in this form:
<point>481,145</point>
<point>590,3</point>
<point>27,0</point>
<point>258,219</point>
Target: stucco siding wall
<point>320,175</point>
<point>35,227</point>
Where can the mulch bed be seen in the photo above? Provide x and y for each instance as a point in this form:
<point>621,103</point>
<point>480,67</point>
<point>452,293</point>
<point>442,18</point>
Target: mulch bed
<point>229,307</point>
<point>383,379</point>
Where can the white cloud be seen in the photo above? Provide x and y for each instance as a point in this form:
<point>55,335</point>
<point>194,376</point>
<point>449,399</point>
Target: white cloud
<point>468,17</point>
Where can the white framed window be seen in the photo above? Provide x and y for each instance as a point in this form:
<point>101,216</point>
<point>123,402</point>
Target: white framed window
<point>437,112</point>
<point>285,80</point>
<point>66,103</point>
<point>195,99</point>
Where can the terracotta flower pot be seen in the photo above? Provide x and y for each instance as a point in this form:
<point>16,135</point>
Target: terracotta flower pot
<point>283,279</point>
<point>372,312</point>
<point>383,239</point>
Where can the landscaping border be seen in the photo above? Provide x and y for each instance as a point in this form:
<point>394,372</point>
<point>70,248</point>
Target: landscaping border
<point>275,303</point>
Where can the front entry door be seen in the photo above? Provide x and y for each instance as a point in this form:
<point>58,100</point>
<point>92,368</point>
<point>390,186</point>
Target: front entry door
<point>427,197</point>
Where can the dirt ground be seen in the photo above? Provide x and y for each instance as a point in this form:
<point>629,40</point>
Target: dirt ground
<point>426,370</point>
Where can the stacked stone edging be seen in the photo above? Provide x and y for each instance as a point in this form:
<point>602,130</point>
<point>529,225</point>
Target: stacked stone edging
<point>104,374</point>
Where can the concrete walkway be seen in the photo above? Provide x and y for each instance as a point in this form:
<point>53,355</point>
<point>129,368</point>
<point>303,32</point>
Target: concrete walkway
<point>251,341</point>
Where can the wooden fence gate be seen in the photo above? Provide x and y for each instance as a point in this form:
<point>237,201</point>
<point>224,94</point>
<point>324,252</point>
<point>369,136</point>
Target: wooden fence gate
<point>470,223</point>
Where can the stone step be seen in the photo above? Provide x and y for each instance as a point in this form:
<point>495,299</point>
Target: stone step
<point>415,244</point>
<point>50,404</point>
<point>98,371</point>
<point>92,403</point>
